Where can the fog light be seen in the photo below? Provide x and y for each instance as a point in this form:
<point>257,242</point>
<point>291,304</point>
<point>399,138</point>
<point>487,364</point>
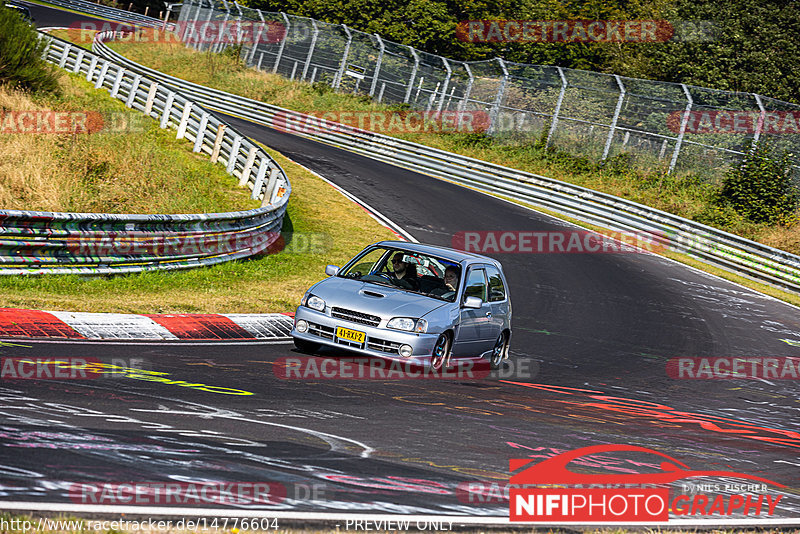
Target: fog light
<point>301,326</point>
<point>405,351</point>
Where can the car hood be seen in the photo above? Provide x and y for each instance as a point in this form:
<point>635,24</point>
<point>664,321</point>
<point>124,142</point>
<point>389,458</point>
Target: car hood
<point>385,302</point>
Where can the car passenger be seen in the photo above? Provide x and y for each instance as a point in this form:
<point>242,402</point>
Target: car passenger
<point>451,276</point>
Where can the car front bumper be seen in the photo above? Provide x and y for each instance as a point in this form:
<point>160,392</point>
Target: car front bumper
<point>381,342</point>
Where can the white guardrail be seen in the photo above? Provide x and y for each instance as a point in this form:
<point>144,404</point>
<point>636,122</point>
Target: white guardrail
<point>712,246</point>
<point>34,242</point>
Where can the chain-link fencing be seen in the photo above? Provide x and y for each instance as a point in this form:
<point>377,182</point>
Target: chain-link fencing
<point>662,125</point>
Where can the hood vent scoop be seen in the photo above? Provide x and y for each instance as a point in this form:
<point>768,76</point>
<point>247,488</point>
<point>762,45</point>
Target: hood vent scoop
<point>367,293</point>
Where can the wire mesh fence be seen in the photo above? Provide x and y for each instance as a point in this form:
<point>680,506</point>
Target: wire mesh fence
<point>661,125</point>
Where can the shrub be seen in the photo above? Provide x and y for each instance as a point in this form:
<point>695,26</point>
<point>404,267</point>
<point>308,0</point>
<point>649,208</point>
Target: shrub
<point>21,63</point>
<point>761,187</point>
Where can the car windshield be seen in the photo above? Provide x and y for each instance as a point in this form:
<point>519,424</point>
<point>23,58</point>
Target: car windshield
<point>403,269</point>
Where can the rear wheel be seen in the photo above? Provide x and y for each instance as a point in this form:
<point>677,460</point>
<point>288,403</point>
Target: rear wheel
<point>309,347</point>
<point>441,352</point>
<point>499,351</point>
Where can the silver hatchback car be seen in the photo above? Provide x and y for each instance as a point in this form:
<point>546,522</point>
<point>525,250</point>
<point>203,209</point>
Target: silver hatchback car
<point>411,302</point>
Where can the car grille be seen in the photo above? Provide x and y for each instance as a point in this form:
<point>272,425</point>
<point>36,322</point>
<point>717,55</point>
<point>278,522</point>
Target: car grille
<point>321,331</point>
<point>355,317</point>
<point>382,345</point>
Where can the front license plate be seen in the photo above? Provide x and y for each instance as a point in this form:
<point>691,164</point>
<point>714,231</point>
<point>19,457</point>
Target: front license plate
<point>350,335</point>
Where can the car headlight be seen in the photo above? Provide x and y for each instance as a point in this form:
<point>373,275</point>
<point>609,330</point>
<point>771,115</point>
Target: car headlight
<point>408,324</point>
<point>315,303</point>
<point>401,323</point>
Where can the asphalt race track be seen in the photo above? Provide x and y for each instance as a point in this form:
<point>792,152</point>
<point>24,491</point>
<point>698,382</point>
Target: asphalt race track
<point>592,337</point>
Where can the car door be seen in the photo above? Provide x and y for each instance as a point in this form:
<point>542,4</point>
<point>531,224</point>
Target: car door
<point>498,298</point>
<point>476,333</point>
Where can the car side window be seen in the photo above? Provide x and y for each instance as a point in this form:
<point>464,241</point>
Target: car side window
<point>476,284</point>
<point>497,291</point>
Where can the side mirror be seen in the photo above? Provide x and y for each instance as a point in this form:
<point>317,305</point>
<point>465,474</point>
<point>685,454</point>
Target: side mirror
<point>473,303</point>
<point>331,270</point>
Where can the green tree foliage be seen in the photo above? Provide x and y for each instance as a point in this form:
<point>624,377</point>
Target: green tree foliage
<point>753,47</point>
<point>21,63</point>
<point>761,187</point>
<point>430,25</point>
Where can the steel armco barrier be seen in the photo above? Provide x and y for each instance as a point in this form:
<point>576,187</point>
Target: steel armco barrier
<point>34,242</point>
<point>715,247</point>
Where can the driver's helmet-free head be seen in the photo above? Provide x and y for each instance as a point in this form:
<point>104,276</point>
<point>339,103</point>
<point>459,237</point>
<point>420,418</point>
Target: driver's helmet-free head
<point>398,262</point>
<point>451,275</point>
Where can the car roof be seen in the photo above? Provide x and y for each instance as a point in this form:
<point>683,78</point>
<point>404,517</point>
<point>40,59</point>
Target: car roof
<point>455,255</point>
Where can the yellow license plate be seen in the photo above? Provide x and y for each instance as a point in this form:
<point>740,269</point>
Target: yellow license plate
<point>350,335</point>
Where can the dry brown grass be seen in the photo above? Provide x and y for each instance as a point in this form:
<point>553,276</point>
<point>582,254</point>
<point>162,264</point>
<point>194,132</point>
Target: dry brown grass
<point>29,177</point>
<point>136,169</point>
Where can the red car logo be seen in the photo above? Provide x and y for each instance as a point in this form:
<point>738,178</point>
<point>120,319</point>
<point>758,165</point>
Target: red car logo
<point>554,470</point>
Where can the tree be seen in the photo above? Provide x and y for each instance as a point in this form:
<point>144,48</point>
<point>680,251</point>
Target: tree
<point>21,63</point>
<point>761,187</point>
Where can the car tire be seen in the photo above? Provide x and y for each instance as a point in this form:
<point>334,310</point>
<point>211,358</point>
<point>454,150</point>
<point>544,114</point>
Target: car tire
<point>499,351</point>
<point>441,352</point>
<point>308,347</point>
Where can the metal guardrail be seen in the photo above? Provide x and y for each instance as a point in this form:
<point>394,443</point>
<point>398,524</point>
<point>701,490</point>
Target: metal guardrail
<point>33,242</point>
<point>710,245</point>
<point>106,12</point>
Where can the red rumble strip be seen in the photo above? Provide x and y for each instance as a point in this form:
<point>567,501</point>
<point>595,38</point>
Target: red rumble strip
<point>199,326</point>
<point>34,323</point>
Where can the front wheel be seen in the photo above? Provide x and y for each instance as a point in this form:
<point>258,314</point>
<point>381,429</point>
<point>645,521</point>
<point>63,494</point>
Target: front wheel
<point>441,352</point>
<point>499,351</point>
<point>308,347</point>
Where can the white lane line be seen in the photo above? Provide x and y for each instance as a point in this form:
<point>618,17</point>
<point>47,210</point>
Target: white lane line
<point>330,439</point>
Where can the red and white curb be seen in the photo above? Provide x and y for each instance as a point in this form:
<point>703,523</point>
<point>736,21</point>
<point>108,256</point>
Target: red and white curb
<point>160,327</point>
